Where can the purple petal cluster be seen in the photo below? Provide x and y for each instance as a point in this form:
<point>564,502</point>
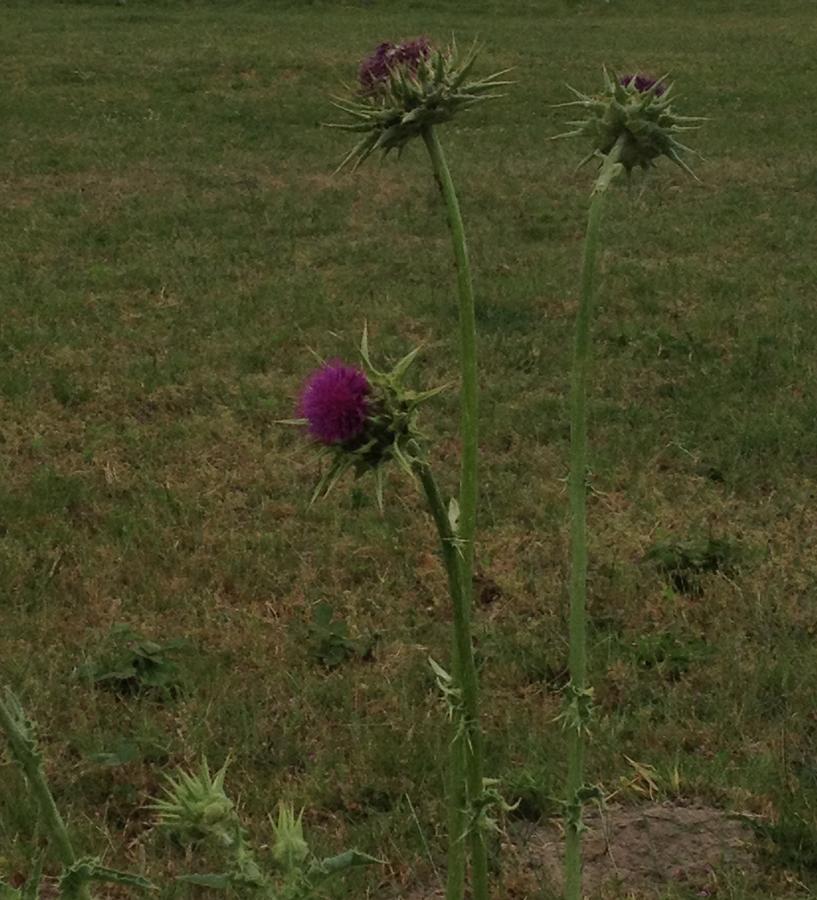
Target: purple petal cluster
<point>643,83</point>
<point>375,68</point>
<point>334,401</point>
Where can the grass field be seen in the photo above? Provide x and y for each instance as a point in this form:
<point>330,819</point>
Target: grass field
<point>172,245</point>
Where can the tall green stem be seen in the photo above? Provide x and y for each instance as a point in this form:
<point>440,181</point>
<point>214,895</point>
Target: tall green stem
<point>460,788</point>
<point>578,714</point>
<point>24,750</point>
<point>465,668</point>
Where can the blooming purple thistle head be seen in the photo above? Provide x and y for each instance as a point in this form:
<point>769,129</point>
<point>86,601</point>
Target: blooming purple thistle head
<point>375,69</point>
<point>334,401</point>
<point>376,66</point>
<point>643,83</point>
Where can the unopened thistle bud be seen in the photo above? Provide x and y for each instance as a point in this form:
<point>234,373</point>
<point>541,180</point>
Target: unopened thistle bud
<point>196,806</point>
<point>289,849</point>
<point>634,111</point>
<point>406,88</point>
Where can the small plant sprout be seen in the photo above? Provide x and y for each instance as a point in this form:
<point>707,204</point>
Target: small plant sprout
<point>630,123</point>
<point>77,872</point>
<point>196,808</point>
<point>404,91</point>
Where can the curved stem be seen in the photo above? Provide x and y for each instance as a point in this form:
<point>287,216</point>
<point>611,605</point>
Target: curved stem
<point>464,657</point>
<point>576,719</point>
<point>24,751</point>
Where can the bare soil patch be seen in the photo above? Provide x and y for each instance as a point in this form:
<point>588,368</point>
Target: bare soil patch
<point>629,853</point>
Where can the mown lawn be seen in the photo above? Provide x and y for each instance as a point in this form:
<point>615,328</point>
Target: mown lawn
<point>173,245</point>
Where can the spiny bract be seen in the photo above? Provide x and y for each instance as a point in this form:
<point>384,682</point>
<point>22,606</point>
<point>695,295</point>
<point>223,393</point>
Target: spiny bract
<point>639,110</point>
<point>406,88</point>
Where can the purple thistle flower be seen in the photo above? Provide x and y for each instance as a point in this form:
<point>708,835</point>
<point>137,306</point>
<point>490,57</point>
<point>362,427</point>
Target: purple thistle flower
<point>642,83</point>
<point>334,402</point>
<point>375,69</point>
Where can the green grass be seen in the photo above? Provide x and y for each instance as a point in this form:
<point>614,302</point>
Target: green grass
<point>173,243</point>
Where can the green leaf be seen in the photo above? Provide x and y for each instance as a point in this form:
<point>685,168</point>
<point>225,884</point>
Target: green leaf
<point>88,869</point>
<point>332,865</point>
<point>217,882</point>
<point>122,753</point>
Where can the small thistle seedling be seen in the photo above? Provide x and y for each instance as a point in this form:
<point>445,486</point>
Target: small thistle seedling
<point>133,664</point>
<point>331,643</point>
<point>684,562</point>
<point>629,123</point>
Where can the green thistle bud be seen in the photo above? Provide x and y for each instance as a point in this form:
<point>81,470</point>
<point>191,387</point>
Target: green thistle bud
<point>635,111</point>
<point>290,850</point>
<point>196,806</point>
<point>407,88</point>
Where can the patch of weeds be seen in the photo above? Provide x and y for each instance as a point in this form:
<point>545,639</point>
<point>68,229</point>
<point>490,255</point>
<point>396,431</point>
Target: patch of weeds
<point>67,390</point>
<point>668,654</point>
<point>331,644</point>
<point>791,841</point>
<point>132,664</point>
<point>683,563</point>
<point>529,797</point>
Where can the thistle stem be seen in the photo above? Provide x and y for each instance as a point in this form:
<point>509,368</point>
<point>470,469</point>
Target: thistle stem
<point>465,667</point>
<point>578,528</point>
<point>459,785</point>
<point>24,750</point>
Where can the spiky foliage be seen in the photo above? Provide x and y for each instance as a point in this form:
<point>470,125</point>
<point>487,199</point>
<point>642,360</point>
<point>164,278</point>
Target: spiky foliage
<point>289,849</point>
<point>195,806</point>
<point>642,117</point>
<point>413,91</point>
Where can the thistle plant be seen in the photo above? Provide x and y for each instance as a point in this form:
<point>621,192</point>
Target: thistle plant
<point>77,872</point>
<point>196,810</point>
<point>405,90</point>
<point>630,123</point>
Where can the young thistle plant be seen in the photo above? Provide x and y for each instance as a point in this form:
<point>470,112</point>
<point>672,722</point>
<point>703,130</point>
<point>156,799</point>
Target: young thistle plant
<point>196,808</point>
<point>405,90</point>
<point>629,124</point>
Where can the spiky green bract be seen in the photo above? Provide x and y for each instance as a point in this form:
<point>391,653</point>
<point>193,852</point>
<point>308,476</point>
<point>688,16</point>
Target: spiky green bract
<point>390,433</point>
<point>289,849</point>
<point>412,98</point>
<point>196,807</point>
<point>644,120</point>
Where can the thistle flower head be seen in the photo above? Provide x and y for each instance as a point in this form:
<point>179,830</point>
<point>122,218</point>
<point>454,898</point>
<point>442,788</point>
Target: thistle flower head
<point>196,806</point>
<point>643,83</point>
<point>406,88</point>
<point>635,112</point>
<point>375,68</point>
<point>289,849</point>
<point>362,419</point>
<point>335,403</point>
